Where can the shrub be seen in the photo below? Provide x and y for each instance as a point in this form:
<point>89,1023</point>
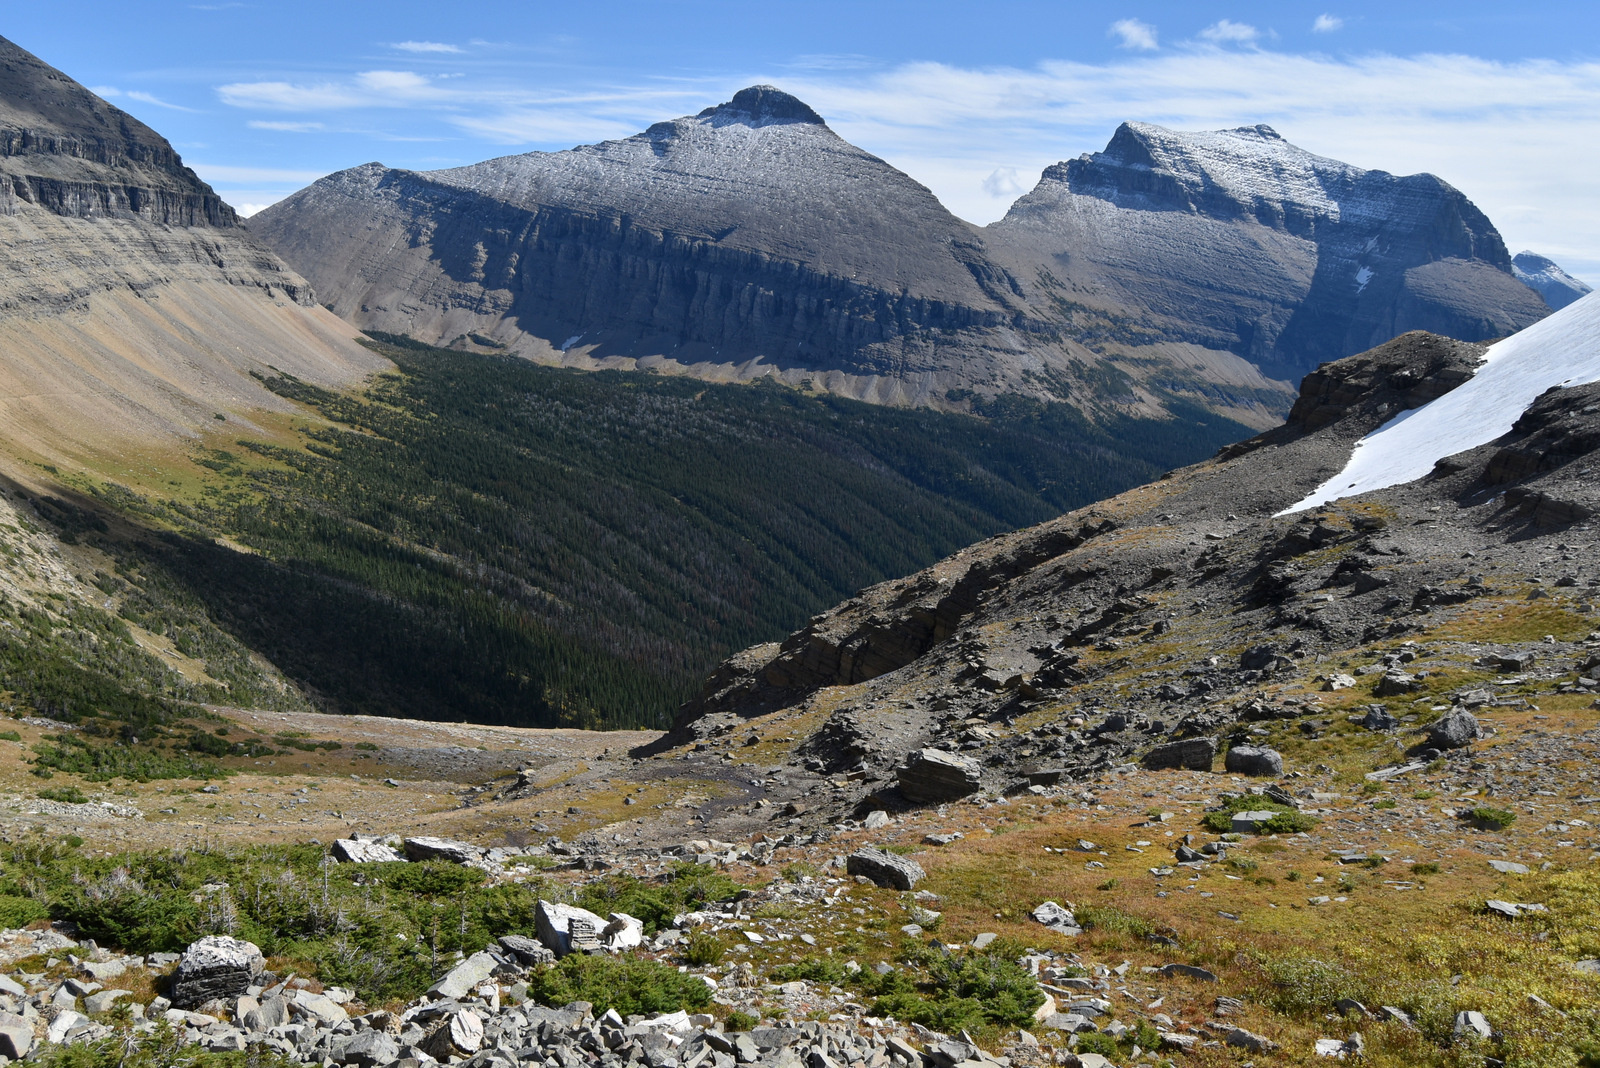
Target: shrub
<point>688,887</point>
<point>812,969</point>
<point>20,911</point>
<point>1097,1042</point>
<point>1428,868</point>
<point>625,984</point>
<point>1112,919</point>
<point>964,991</point>
<point>67,795</point>
<point>1287,821</point>
<point>702,949</point>
<point>740,1021</point>
<point>1488,818</point>
<point>10,736</point>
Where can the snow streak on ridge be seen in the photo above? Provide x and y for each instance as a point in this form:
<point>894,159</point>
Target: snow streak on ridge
<point>1561,350</point>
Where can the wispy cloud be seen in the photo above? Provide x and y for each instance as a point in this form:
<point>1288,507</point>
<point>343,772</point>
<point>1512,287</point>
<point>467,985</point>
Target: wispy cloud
<point>1327,24</point>
<point>286,127</point>
<point>1135,34</point>
<point>151,98</point>
<point>373,88</point>
<point>1229,32</point>
<point>426,46</point>
<point>221,174</point>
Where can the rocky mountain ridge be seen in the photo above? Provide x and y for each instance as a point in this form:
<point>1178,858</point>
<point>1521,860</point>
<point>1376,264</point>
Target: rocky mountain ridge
<point>750,240</point>
<point>133,303</point>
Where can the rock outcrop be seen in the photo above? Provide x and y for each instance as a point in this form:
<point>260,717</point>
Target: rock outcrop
<point>214,967</point>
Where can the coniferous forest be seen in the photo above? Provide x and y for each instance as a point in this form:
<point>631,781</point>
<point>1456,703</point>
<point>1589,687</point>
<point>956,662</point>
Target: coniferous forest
<point>482,538</point>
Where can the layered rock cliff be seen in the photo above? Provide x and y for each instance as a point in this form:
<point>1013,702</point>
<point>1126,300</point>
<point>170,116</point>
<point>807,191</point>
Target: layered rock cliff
<point>132,303</point>
<point>743,241</point>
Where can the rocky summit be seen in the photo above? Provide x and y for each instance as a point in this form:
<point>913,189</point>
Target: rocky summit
<point>750,241</point>
<point>1238,240</point>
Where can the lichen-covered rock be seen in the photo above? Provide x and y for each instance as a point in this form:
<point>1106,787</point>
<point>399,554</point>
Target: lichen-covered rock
<point>215,967</point>
<point>424,847</point>
<point>1453,730</point>
<point>1254,760</point>
<point>930,776</point>
<point>567,928</point>
<point>885,869</point>
<point>1193,754</point>
<point>355,851</point>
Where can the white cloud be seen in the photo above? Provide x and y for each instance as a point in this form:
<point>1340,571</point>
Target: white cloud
<point>1004,182</point>
<point>1135,34</point>
<point>105,91</point>
<point>248,210</point>
<point>1327,24</point>
<point>425,46</point>
<point>1507,134</point>
<point>373,88</point>
<point>1230,32</point>
<point>221,174</point>
<point>286,127</point>
<point>151,98</point>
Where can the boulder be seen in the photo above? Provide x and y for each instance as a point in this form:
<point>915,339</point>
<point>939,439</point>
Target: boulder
<point>1188,971</point>
<point>1338,681</point>
<point>1192,754</point>
<point>215,967</point>
<point>273,1012</point>
<point>930,776</point>
<point>366,1049</point>
<point>426,848</point>
<point>15,1040</point>
<point>1379,718</point>
<point>459,1036</point>
<point>1470,1024</point>
<point>1250,1040</point>
<point>1396,684</point>
<point>1252,822</point>
<point>461,980</point>
<point>351,851</point>
<point>567,928</point>
<point>1057,918</point>
<point>1254,760</point>
<point>1453,730</point>
<point>527,950</point>
<point>885,869</point>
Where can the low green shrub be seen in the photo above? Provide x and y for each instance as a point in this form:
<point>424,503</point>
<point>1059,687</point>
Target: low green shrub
<point>1489,818</point>
<point>959,991</point>
<point>740,1021</point>
<point>702,949</point>
<point>626,984</point>
<point>1288,821</point>
<point>67,795</point>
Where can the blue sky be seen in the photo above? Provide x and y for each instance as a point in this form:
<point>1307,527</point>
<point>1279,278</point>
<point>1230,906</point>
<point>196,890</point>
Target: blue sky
<point>973,100</point>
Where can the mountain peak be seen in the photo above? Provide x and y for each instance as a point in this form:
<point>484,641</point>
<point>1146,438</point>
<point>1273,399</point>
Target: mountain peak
<point>764,105</point>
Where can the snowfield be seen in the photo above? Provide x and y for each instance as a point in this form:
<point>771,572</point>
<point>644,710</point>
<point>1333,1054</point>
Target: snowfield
<point>1561,350</point>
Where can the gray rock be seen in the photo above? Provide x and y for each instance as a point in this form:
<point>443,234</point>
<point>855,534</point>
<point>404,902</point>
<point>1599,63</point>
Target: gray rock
<point>1396,684</point>
<point>318,1007</point>
<point>567,928</point>
<point>1057,918</point>
<point>1252,822</point>
<point>885,869</point>
<point>1379,718</point>
<point>427,848</point>
<point>1338,681</point>
<point>1589,967</point>
<point>215,967</point>
<point>527,950</point>
<point>1254,760</point>
<point>15,1040</point>
<point>273,1012</point>
<point>461,980</point>
<point>1194,754</point>
<point>930,776</point>
<point>1453,730</point>
<point>351,851</point>
<point>1070,1022</point>
<point>1508,867</point>
<point>366,1049</point>
<point>1470,1024</point>
<point>1188,971</point>
<point>876,820</point>
<point>1249,1040</point>
<point>104,1000</point>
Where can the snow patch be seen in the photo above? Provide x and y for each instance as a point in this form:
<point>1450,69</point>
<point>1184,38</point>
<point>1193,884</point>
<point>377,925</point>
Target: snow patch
<point>1561,350</point>
<point>1363,276</point>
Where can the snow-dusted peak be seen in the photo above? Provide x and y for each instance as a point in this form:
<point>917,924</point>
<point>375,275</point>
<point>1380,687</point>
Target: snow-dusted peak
<point>1561,350</point>
<point>762,105</point>
<point>1252,166</point>
<point>1557,287</point>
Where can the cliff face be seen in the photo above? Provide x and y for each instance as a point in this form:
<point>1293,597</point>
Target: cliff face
<point>1239,240</point>
<point>132,303</point>
<point>746,240</point>
<point>750,240</point>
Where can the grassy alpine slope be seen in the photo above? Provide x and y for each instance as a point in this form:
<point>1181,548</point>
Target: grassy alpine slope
<point>480,538</point>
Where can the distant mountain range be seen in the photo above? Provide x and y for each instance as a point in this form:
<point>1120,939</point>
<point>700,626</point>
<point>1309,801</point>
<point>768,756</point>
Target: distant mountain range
<point>751,240</point>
